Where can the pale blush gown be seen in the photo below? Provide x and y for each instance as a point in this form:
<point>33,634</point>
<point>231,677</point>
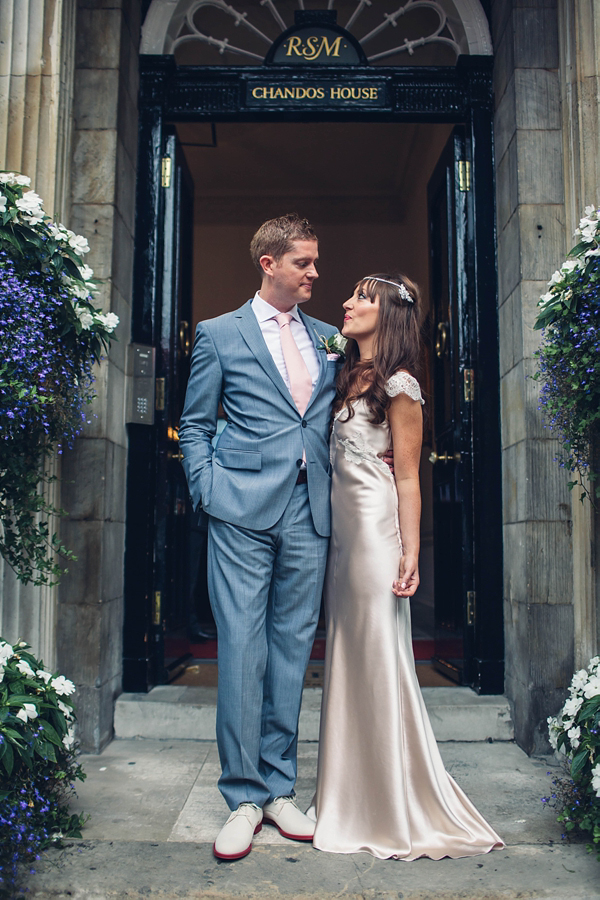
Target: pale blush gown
<point>381,785</point>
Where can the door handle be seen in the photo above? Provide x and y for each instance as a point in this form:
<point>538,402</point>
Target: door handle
<point>443,457</point>
<point>175,454</point>
<point>441,339</point>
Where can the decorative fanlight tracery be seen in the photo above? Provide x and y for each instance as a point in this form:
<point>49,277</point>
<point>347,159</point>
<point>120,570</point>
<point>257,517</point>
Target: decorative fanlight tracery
<point>172,23</point>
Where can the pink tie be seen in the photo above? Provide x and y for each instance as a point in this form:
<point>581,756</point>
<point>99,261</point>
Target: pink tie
<point>300,380</point>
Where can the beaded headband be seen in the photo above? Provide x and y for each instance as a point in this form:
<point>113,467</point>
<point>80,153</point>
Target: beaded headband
<point>400,287</point>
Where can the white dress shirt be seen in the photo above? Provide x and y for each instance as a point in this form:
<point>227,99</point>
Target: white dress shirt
<point>265,313</point>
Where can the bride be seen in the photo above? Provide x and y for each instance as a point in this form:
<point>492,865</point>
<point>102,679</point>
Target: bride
<point>381,784</point>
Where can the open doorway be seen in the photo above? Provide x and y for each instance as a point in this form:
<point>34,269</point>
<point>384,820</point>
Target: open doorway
<point>363,186</point>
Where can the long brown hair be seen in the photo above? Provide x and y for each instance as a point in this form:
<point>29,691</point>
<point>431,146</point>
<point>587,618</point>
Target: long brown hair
<point>396,345</point>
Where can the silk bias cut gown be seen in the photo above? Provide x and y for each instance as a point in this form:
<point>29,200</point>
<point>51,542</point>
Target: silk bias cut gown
<point>381,784</point>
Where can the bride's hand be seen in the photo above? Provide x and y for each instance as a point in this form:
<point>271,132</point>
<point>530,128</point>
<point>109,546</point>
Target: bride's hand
<point>408,578</point>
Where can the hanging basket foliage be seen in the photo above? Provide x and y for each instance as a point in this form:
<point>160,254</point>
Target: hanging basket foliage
<point>51,334</point>
<point>569,356</point>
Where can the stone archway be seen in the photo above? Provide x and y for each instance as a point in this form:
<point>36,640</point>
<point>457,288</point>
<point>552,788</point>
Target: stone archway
<point>461,25</point>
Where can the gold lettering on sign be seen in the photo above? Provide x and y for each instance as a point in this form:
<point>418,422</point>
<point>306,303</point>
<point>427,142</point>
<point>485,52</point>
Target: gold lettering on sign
<point>313,47</point>
<point>353,93</point>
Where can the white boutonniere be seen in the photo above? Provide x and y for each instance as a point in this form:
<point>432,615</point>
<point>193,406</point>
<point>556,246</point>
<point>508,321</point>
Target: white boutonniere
<point>334,346</point>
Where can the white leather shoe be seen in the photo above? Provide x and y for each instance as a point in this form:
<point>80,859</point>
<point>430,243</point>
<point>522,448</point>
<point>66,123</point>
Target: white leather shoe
<point>235,837</point>
<point>283,813</point>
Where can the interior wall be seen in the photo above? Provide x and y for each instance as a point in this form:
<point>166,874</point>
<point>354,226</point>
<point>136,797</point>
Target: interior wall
<point>363,188</point>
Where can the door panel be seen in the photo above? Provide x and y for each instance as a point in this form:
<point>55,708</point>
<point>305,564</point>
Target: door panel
<point>452,279</point>
<point>173,508</point>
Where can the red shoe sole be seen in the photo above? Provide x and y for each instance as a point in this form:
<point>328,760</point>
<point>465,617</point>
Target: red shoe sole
<point>286,834</point>
<point>236,855</point>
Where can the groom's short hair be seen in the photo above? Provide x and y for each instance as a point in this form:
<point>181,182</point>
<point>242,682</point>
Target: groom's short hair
<point>276,236</point>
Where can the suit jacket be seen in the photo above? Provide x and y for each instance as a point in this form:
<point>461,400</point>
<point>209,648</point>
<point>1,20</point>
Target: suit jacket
<point>249,477</point>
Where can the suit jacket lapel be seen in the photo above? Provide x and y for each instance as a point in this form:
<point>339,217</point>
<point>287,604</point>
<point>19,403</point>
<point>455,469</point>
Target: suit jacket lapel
<point>249,329</point>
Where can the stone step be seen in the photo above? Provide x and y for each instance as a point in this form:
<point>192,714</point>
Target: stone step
<point>172,712</point>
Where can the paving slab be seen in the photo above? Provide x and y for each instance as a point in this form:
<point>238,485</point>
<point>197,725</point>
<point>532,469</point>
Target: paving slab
<point>154,811</point>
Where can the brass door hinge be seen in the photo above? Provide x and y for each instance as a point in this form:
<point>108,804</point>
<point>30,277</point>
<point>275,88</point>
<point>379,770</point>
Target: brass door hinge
<point>157,608</point>
<point>159,403</point>
<point>165,172</point>
<point>464,175</point>
<point>469,384</point>
<point>471,604</point>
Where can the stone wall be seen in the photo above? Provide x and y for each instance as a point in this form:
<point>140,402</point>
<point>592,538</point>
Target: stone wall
<point>538,550</point>
<point>90,611</point>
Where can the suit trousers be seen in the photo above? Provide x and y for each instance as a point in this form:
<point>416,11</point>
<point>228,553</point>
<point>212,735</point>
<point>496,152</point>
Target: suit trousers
<point>265,590</point>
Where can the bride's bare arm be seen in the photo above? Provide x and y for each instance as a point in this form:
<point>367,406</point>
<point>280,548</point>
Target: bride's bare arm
<point>406,423</point>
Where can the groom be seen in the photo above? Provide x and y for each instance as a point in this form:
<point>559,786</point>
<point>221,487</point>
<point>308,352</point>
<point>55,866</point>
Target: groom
<point>266,489</point>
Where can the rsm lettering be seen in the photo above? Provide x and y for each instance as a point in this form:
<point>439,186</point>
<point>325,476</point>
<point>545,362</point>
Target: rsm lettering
<point>313,47</point>
<point>321,94</point>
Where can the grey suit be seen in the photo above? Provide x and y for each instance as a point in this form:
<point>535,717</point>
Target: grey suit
<point>267,540</point>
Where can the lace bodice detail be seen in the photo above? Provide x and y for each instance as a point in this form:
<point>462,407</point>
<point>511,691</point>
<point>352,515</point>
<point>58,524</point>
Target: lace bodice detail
<point>403,383</point>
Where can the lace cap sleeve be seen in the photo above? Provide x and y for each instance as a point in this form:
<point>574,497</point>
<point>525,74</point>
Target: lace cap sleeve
<point>403,383</point>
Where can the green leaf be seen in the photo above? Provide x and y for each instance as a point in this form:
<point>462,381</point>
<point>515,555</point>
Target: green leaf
<point>8,759</point>
<point>579,762</point>
<point>50,733</point>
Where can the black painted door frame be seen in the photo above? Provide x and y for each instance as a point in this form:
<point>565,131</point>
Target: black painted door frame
<point>461,95</point>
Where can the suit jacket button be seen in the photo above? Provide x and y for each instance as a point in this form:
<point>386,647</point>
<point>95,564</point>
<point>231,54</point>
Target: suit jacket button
<point>304,423</point>
<point>298,462</point>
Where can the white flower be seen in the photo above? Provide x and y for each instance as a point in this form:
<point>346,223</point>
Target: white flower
<point>596,779</point>
<point>86,272</point>
<point>579,680</point>
<point>25,669</point>
<point>546,298</point>
<point>29,711</point>
<point>592,688</point>
<point>65,710</point>
<point>553,731</point>
<point>85,317</point>
<point>574,735</point>
<point>592,252</point>
<point>6,651</point>
<point>59,232</point>
<point>7,177</point>
<point>45,676</point>
<point>588,233</point>
<point>29,203</point>
<point>109,320</point>
<point>569,266</point>
<point>79,290</point>
<point>62,685</point>
<point>69,739</point>
<point>590,210</point>
<point>23,180</point>
<point>2,203</point>
<point>78,243</point>
<point>556,278</point>
<point>572,706</point>
<point>593,663</point>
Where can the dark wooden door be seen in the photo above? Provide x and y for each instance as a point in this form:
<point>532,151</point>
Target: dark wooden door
<point>173,508</point>
<point>454,337</point>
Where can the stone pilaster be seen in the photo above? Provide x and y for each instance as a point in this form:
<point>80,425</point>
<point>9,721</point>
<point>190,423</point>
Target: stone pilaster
<point>538,582</point>
<point>103,189</point>
<point>36,80</point>
<point>579,33</point>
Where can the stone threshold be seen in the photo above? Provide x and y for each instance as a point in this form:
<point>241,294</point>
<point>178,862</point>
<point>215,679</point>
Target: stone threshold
<point>179,712</point>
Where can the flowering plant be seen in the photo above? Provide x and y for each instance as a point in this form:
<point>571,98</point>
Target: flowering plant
<point>334,345</point>
<point>575,732</point>
<point>51,333</point>
<point>569,357</point>
<point>38,760</point>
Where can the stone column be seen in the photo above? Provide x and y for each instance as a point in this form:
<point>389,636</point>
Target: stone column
<point>579,32</point>
<point>90,613</point>
<point>538,582</point>
<point>36,81</point>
